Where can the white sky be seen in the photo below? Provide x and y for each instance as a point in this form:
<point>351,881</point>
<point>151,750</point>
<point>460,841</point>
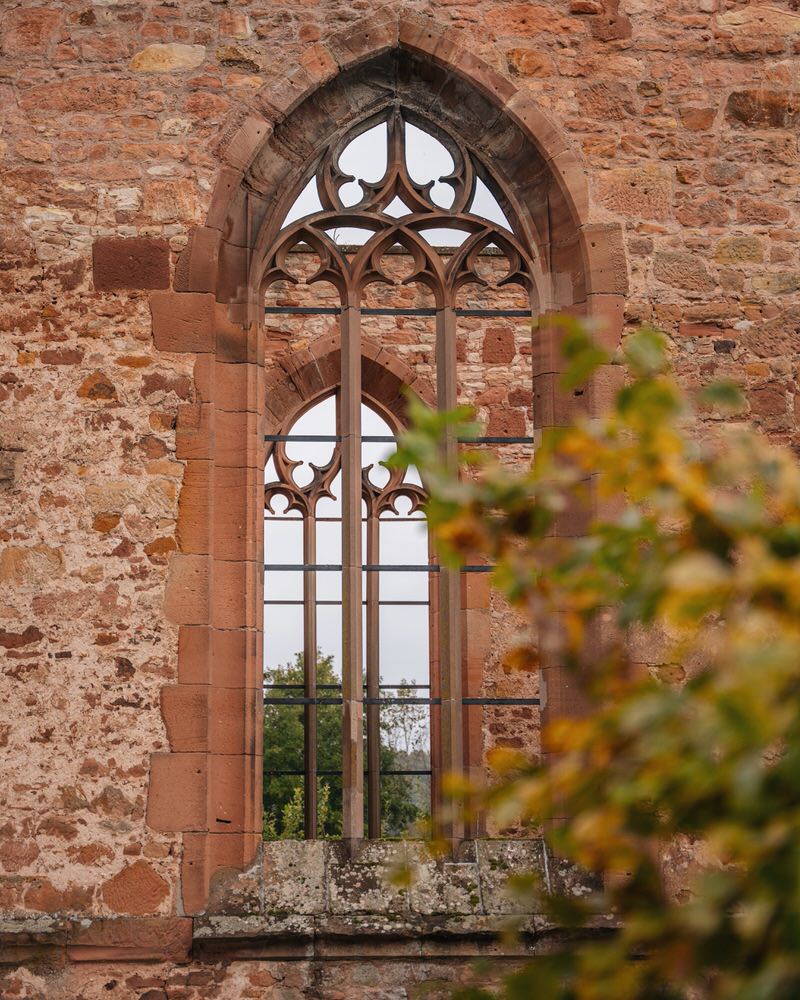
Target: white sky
<point>403,630</point>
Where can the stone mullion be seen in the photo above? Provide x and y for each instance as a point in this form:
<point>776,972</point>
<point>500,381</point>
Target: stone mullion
<point>451,725</point>
<point>352,639</point>
<point>310,675</point>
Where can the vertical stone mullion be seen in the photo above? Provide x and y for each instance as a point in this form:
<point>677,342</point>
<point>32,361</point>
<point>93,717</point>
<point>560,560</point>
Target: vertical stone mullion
<point>352,641</point>
<point>451,726</point>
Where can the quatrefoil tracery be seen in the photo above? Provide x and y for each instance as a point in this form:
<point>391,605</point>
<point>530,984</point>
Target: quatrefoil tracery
<point>351,271</point>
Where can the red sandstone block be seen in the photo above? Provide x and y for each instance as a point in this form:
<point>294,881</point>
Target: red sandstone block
<point>194,509</point>
<point>193,438</point>
<point>184,708</point>
<point>232,714</point>
<point>574,520</point>
<point>236,594</point>
<point>238,147</point>
<point>606,383</point>
<point>239,387</point>
<point>475,590</point>
<point>238,440</point>
<point>204,377</point>
<point>546,349</point>
<point>523,108</point>
<point>606,269</point>
<point>505,422</point>
<point>136,262</point>
<point>608,313</point>
<point>196,270</point>
<point>124,939</point>
<point>176,799</point>
<point>232,276</point>
<point>236,658</point>
<point>186,598</point>
<point>227,793</point>
<point>239,504</point>
<point>183,321</point>
<point>194,654</point>
<point>226,658</point>
<point>371,36</point>
<point>29,31</point>
<point>477,641</point>
<point>204,854</point>
<point>137,890</point>
<point>499,346</point>
<point>552,406</point>
<point>227,187</point>
<point>237,339</point>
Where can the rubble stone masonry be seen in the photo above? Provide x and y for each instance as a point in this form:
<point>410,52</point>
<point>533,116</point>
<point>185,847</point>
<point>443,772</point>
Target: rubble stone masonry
<point>144,148</point>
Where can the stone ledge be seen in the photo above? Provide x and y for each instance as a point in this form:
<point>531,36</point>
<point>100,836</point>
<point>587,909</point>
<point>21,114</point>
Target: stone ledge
<point>52,941</point>
<point>389,935</point>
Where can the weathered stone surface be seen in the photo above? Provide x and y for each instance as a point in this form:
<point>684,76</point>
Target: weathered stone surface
<point>29,30</point>
<point>130,939</point>
<point>763,108</point>
<point>682,270</point>
<point>137,890</point>
<point>294,877</point>
<point>739,250</point>
<point>760,19</point>
<point>172,201</point>
<point>30,565</point>
<point>135,262</point>
<point>529,20</point>
<point>170,57</point>
<point>84,93</point>
<point>643,192</point>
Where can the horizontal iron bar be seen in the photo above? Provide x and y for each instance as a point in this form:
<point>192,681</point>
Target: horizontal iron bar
<point>387,439</point>
<point>299,687</point>
<point>368,568</point>
<point>335,687</point>
<point>282,518</point>
<point>404,701</point>
<point>337,604</point>
<point>367,311</point>
<point>338,774</point>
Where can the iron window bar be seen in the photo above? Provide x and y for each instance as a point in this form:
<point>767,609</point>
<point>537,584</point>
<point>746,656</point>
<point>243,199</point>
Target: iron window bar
<point>476,702</point>
<point>338,774</point>
<point>386,311</point>
<point>381,687</point>
<point>337,604</point>
<point>386,439</point>
<point>368,568</point>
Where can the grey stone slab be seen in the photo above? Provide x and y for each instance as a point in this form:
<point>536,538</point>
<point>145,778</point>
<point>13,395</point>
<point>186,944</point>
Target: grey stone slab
<point>294,876</point>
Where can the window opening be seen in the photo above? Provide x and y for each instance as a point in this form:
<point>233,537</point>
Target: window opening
<point>303,602</point>
<point>400,203</point>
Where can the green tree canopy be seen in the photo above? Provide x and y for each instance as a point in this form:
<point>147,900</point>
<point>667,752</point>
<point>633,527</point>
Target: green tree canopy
<point>402,748</point>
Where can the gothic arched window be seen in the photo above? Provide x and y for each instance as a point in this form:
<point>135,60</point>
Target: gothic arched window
<point>394,202</point>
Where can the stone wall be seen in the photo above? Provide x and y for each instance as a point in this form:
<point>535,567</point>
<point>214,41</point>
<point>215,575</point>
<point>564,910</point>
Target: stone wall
<point>116,123</point>
<point>309,921</point>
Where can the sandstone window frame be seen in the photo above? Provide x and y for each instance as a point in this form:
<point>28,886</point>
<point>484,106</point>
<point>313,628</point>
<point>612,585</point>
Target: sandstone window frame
<point>205,785</point>
<point>444,276</point>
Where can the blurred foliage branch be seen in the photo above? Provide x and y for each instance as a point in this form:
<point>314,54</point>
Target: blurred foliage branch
<point>680,609</point>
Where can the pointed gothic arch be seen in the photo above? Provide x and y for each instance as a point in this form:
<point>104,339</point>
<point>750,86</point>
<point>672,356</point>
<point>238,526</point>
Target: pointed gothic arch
<point>208,787</point>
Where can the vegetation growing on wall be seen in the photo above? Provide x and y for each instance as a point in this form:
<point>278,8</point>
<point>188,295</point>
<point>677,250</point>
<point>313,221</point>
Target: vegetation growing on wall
<point>679,610</point>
